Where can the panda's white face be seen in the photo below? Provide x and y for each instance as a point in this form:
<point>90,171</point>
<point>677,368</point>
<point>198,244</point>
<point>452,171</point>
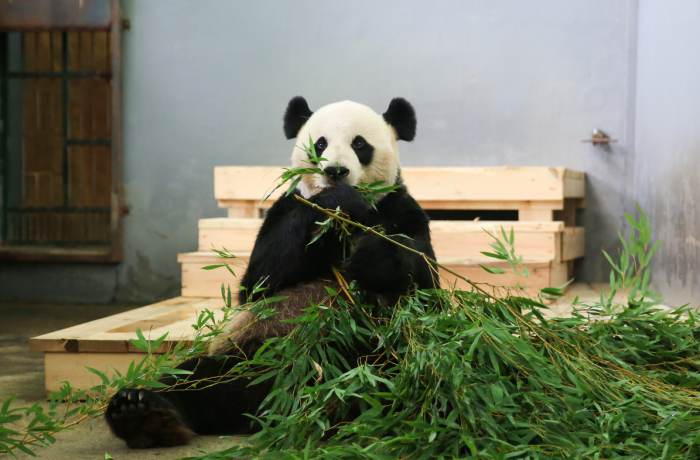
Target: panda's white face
<point>358,144</point>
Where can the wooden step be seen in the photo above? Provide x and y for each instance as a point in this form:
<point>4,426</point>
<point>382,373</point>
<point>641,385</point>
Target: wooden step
<point>197,282</point>
<point>536,192</point>
<point>106,341</point>
<point>543,273</point>
<point>533,240</point>
<point>207,283</point>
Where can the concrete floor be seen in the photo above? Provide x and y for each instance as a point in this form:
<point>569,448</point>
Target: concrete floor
<point>22,373</point>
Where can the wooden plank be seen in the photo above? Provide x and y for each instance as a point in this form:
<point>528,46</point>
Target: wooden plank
<point>233,234</point>
<point>177,323</point>
<point>244,209</point>
<point>574,184</point>
<point>449,238</point>
<point>551,205</point>
<point>60,367</point>
<point>67,340</point>
<point>533,240</point>
<point>207,283</point>
<point>535,215</point>
<point>573,243</point>
<point>568,214</point>
<point>559,274</point>
<point>485,183</point>
<point>245,182</point>
<point>102,337</point>
<point>540,275</point>
<point>54,14</point>
<point>500,205</point>
<point>429,185</point>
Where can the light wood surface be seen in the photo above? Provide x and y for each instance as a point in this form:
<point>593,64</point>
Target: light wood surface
<point>207,283</point>
<point>113,334</point>
<point>543,273</point>
<point>573,243</point>
<point>535,190</point>
<point>198,283</point>
<point>450,238</point>
<point>70,367</point>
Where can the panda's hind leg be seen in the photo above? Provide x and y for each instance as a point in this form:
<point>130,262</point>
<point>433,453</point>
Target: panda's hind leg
<point>144,419</point>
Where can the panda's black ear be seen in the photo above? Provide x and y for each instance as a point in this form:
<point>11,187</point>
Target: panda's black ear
<point>295,116</point>
<point>401,116</point>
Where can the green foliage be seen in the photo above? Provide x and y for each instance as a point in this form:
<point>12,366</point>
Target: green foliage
<point>22,427</point>
<point>505,250</point>
<point>452,374</point>
<point>469,375</point>
<point>459,375</point>
<point>631,272</point>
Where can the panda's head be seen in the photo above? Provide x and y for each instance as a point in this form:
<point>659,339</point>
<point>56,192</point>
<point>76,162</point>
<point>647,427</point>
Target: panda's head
<point>358,144</point>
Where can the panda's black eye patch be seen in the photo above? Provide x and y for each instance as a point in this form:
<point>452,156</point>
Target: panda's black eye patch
<point>363,150</point>
<point>320,145</point>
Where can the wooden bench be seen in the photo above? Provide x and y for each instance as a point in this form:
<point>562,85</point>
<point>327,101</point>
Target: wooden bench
<point>545,234</point>
<point>538,194</point>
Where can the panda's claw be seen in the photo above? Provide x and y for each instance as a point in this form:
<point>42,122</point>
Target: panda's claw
<point>128,402</point>
<point>145,419</point>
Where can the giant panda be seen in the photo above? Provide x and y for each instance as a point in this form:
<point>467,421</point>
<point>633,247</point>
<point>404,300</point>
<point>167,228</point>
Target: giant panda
<point>360,147</point>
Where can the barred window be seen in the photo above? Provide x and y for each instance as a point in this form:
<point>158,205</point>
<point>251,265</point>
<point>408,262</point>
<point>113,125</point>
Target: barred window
<point>59,196</point>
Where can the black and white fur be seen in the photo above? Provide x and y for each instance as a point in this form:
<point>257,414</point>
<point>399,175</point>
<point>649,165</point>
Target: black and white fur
<point>360,146</point>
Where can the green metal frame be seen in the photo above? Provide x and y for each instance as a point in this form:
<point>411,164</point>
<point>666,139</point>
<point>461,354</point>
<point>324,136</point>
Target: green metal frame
<point>65,75</point>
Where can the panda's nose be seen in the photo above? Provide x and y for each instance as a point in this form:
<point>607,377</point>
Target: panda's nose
<point>336,173</point>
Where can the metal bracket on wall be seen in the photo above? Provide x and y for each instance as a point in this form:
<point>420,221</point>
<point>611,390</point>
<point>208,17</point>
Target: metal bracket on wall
<point>599,137</point>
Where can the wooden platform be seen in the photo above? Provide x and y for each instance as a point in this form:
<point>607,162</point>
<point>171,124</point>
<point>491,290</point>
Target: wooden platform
<point>108,340</point>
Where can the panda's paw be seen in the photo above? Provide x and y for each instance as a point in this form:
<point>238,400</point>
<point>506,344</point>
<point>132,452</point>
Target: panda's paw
<point>375,266</point>
<point>144,419</point>
<point>347,198</point>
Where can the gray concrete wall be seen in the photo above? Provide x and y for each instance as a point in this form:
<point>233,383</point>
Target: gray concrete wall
<point>493,83</point>
<point>667,166</point>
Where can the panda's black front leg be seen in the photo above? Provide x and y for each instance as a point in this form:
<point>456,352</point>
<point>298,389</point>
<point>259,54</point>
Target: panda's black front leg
<point>282,257</point>
<point>386,269</point>
<point>144,419</point>
<point>210,401</point>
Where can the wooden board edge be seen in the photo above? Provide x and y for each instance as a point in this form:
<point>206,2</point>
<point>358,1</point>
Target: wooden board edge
<point>573,243</point>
